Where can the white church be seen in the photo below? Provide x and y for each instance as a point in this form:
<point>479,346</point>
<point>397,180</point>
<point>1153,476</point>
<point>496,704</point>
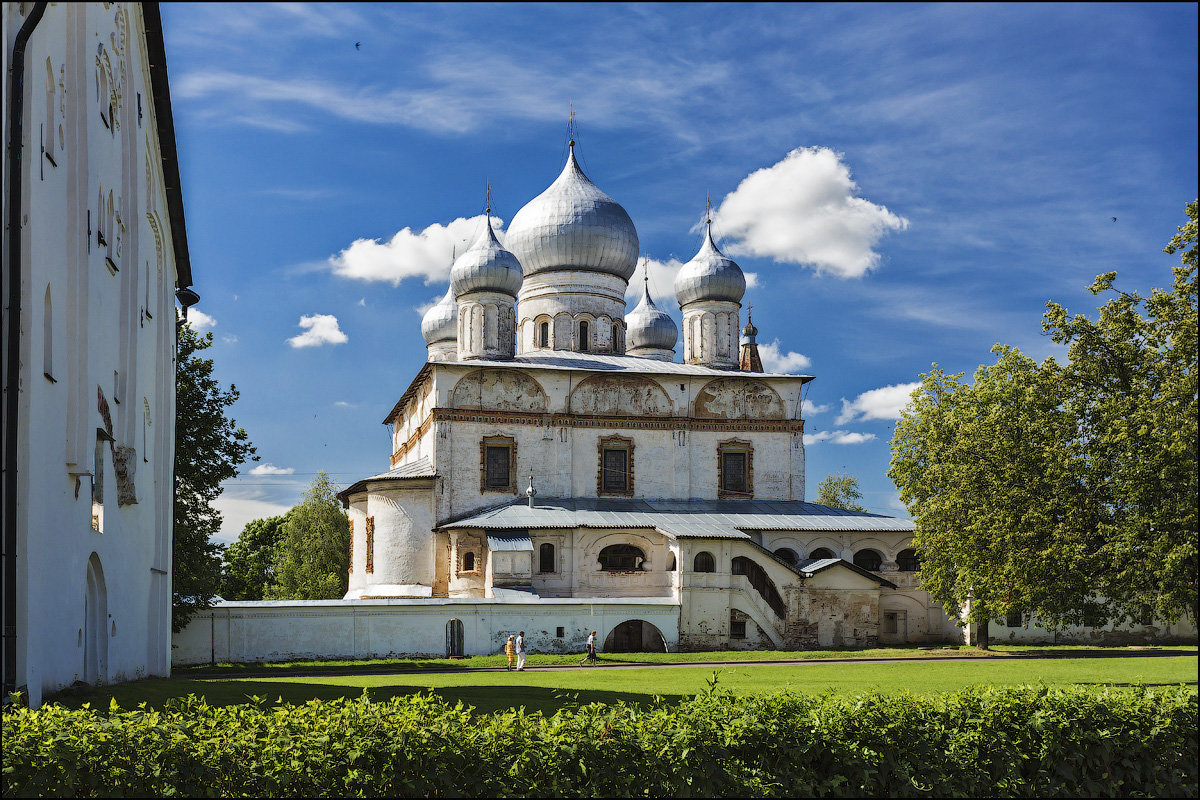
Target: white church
<point>95,249</point>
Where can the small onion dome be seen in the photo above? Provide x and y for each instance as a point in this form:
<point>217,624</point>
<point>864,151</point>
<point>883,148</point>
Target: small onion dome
<point>440,323</point>
<point>749,331</point>
<point>649,326</point>
<point>574,225</point>
<point>710,275</point>
<point>486,267</point>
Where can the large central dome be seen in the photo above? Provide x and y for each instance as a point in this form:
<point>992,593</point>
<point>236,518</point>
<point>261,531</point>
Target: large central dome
<point>574,226</point>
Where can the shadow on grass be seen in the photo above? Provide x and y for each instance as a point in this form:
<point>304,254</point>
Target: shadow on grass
<point>485,699</point>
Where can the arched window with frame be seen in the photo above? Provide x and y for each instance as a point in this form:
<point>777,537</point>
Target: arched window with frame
<point>544,334</point>
<point>821,553</point>
<point>868,559</point>
<point>584,341</point>
<point>621,558</point>
<point>908,560</point>
<point>787,554</point>
<point>704,562</point>
<point>546,560</point>
<point>616,338</point>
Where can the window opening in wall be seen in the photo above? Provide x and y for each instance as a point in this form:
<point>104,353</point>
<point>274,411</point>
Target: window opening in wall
<point>48,337</point>
<point>907,561</point>
<point>616,337</point>
<point>891,622</point>
<point>737,627</point>
<point>616,466</point>
<point>761,583</point>
<point>560,632</point>
<point>498,464</point>
<point>370,535</point>
<point>868,560</point>
<point>546,558</point>
<point>621,558</point>
<point>788,555</point>
<point>821,552</point>
<point>704,562</point>
<point>98,484</point>
<point>468,562</point>
<point>734,471</point>
<point>583,337</point>
<point>671,563</point>
<point>1015,619</point>
<point>544,337</point>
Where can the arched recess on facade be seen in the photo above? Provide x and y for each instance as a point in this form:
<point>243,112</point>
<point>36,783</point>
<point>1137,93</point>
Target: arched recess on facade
<point>833,547</point>
<point>635,636</point>
<point>641,543</point>
<point>625,395</point>
<point>498,390</point>
<point>95,623</point>
<point>738,398</point>
<point>901,618</point>
<point>454,638</point>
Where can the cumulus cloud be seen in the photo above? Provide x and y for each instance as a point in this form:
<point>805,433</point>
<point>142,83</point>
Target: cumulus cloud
<point>426,254</point>
<point>271,469</point>
<point>662,283</point>
<point>882,403</point>
<point>803,210</point>
<point>838,437</point>
<point>319,329</point>
<point>808,408</point>
<point>199,320</point>
<point>229,338</point>
<point>775,360</point>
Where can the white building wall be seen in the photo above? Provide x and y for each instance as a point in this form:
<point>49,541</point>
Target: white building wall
<point>276,630</point>
<point>110,335</point>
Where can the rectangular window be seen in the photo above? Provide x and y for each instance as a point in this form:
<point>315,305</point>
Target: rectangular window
<point>737,629</point>
<point>98,488</point>
<point>733,472</point>
<point>498,467</point>
<point>615,470</point>
<point>370,544</point>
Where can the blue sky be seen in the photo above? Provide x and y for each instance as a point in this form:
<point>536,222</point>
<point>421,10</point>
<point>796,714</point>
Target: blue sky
<point>907,184</point>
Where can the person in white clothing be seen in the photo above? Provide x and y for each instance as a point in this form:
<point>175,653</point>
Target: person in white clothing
<point>591,650</point>
<point>520,651</point>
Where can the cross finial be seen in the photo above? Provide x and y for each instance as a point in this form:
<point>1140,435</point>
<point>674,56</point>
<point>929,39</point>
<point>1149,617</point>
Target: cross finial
<point>708,209</point>
<point>488,202</point>
<point>571,126</point>
<point>749,311</point>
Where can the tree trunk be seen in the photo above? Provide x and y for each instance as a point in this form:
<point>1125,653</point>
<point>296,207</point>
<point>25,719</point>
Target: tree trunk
<point>981,639</point>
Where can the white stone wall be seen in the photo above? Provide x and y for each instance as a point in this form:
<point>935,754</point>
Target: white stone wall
<point>711,333</point>
<point>276,630</point>
<point>98,323</point>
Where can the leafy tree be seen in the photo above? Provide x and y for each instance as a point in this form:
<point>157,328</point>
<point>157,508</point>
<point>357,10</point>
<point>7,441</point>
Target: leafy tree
<point>250,561</point>
<point>312,557</point>
<point>209,448</point>
<point>1064,491</point>
<point>840,491</point>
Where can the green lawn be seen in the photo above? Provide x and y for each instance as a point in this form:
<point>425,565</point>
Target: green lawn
<point>547,691</point>
<point>497,660</point>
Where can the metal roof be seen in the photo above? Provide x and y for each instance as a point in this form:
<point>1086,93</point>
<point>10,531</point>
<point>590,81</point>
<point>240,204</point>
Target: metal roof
<point>509,541</point>
<point>704,519</point>
<point>417,469</point>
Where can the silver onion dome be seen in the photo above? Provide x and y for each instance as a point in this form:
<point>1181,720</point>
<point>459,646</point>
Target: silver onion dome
<point>574,225</point>
<point>486,267</point>
<point>649,326</point>
<point>710,275</point>
<point>440,323</point>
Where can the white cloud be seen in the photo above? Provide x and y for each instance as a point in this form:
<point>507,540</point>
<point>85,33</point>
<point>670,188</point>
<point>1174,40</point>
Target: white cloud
<point>803,210</point>
<point>363,302</point>
<point>662,283</point>
<point>427,255</point>
<point>320,329</point>
<point>239,506</point>
<point>882,403</point>
<point>838,437</point>
<point>808,408</point>
<point>229,338</point>
<point>199,320</point>
<point>775,360</point>
<point>271,469</point>
<point>343,404</point>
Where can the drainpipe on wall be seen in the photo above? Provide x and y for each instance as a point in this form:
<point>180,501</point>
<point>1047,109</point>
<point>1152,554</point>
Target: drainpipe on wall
<point>12,349</point>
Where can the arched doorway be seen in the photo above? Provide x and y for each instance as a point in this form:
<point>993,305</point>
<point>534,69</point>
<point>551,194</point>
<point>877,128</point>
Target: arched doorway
<point>95,624</point>
<point>635,636</point>
<point>454,638</point>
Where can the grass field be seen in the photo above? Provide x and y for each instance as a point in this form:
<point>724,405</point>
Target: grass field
<point>497,660</point>
<point>552,689</point>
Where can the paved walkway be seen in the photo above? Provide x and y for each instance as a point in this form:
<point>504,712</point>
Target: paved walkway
<point>534,667</point>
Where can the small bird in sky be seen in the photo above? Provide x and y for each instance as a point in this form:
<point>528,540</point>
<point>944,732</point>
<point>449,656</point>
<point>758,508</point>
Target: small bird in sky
<point>358,45</point>
<point>1114,219</point>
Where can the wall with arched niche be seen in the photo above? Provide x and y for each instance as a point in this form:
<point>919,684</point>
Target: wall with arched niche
<point>739,398</point>
<point>498,390</point>
<point>620,395</point>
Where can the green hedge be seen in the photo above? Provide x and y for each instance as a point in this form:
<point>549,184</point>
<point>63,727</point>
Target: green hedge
<point>1012,742</point>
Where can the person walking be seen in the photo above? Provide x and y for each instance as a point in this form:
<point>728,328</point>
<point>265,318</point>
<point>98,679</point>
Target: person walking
<point>510,650</point>
<point>520,644</point>
<point>591,650</point>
